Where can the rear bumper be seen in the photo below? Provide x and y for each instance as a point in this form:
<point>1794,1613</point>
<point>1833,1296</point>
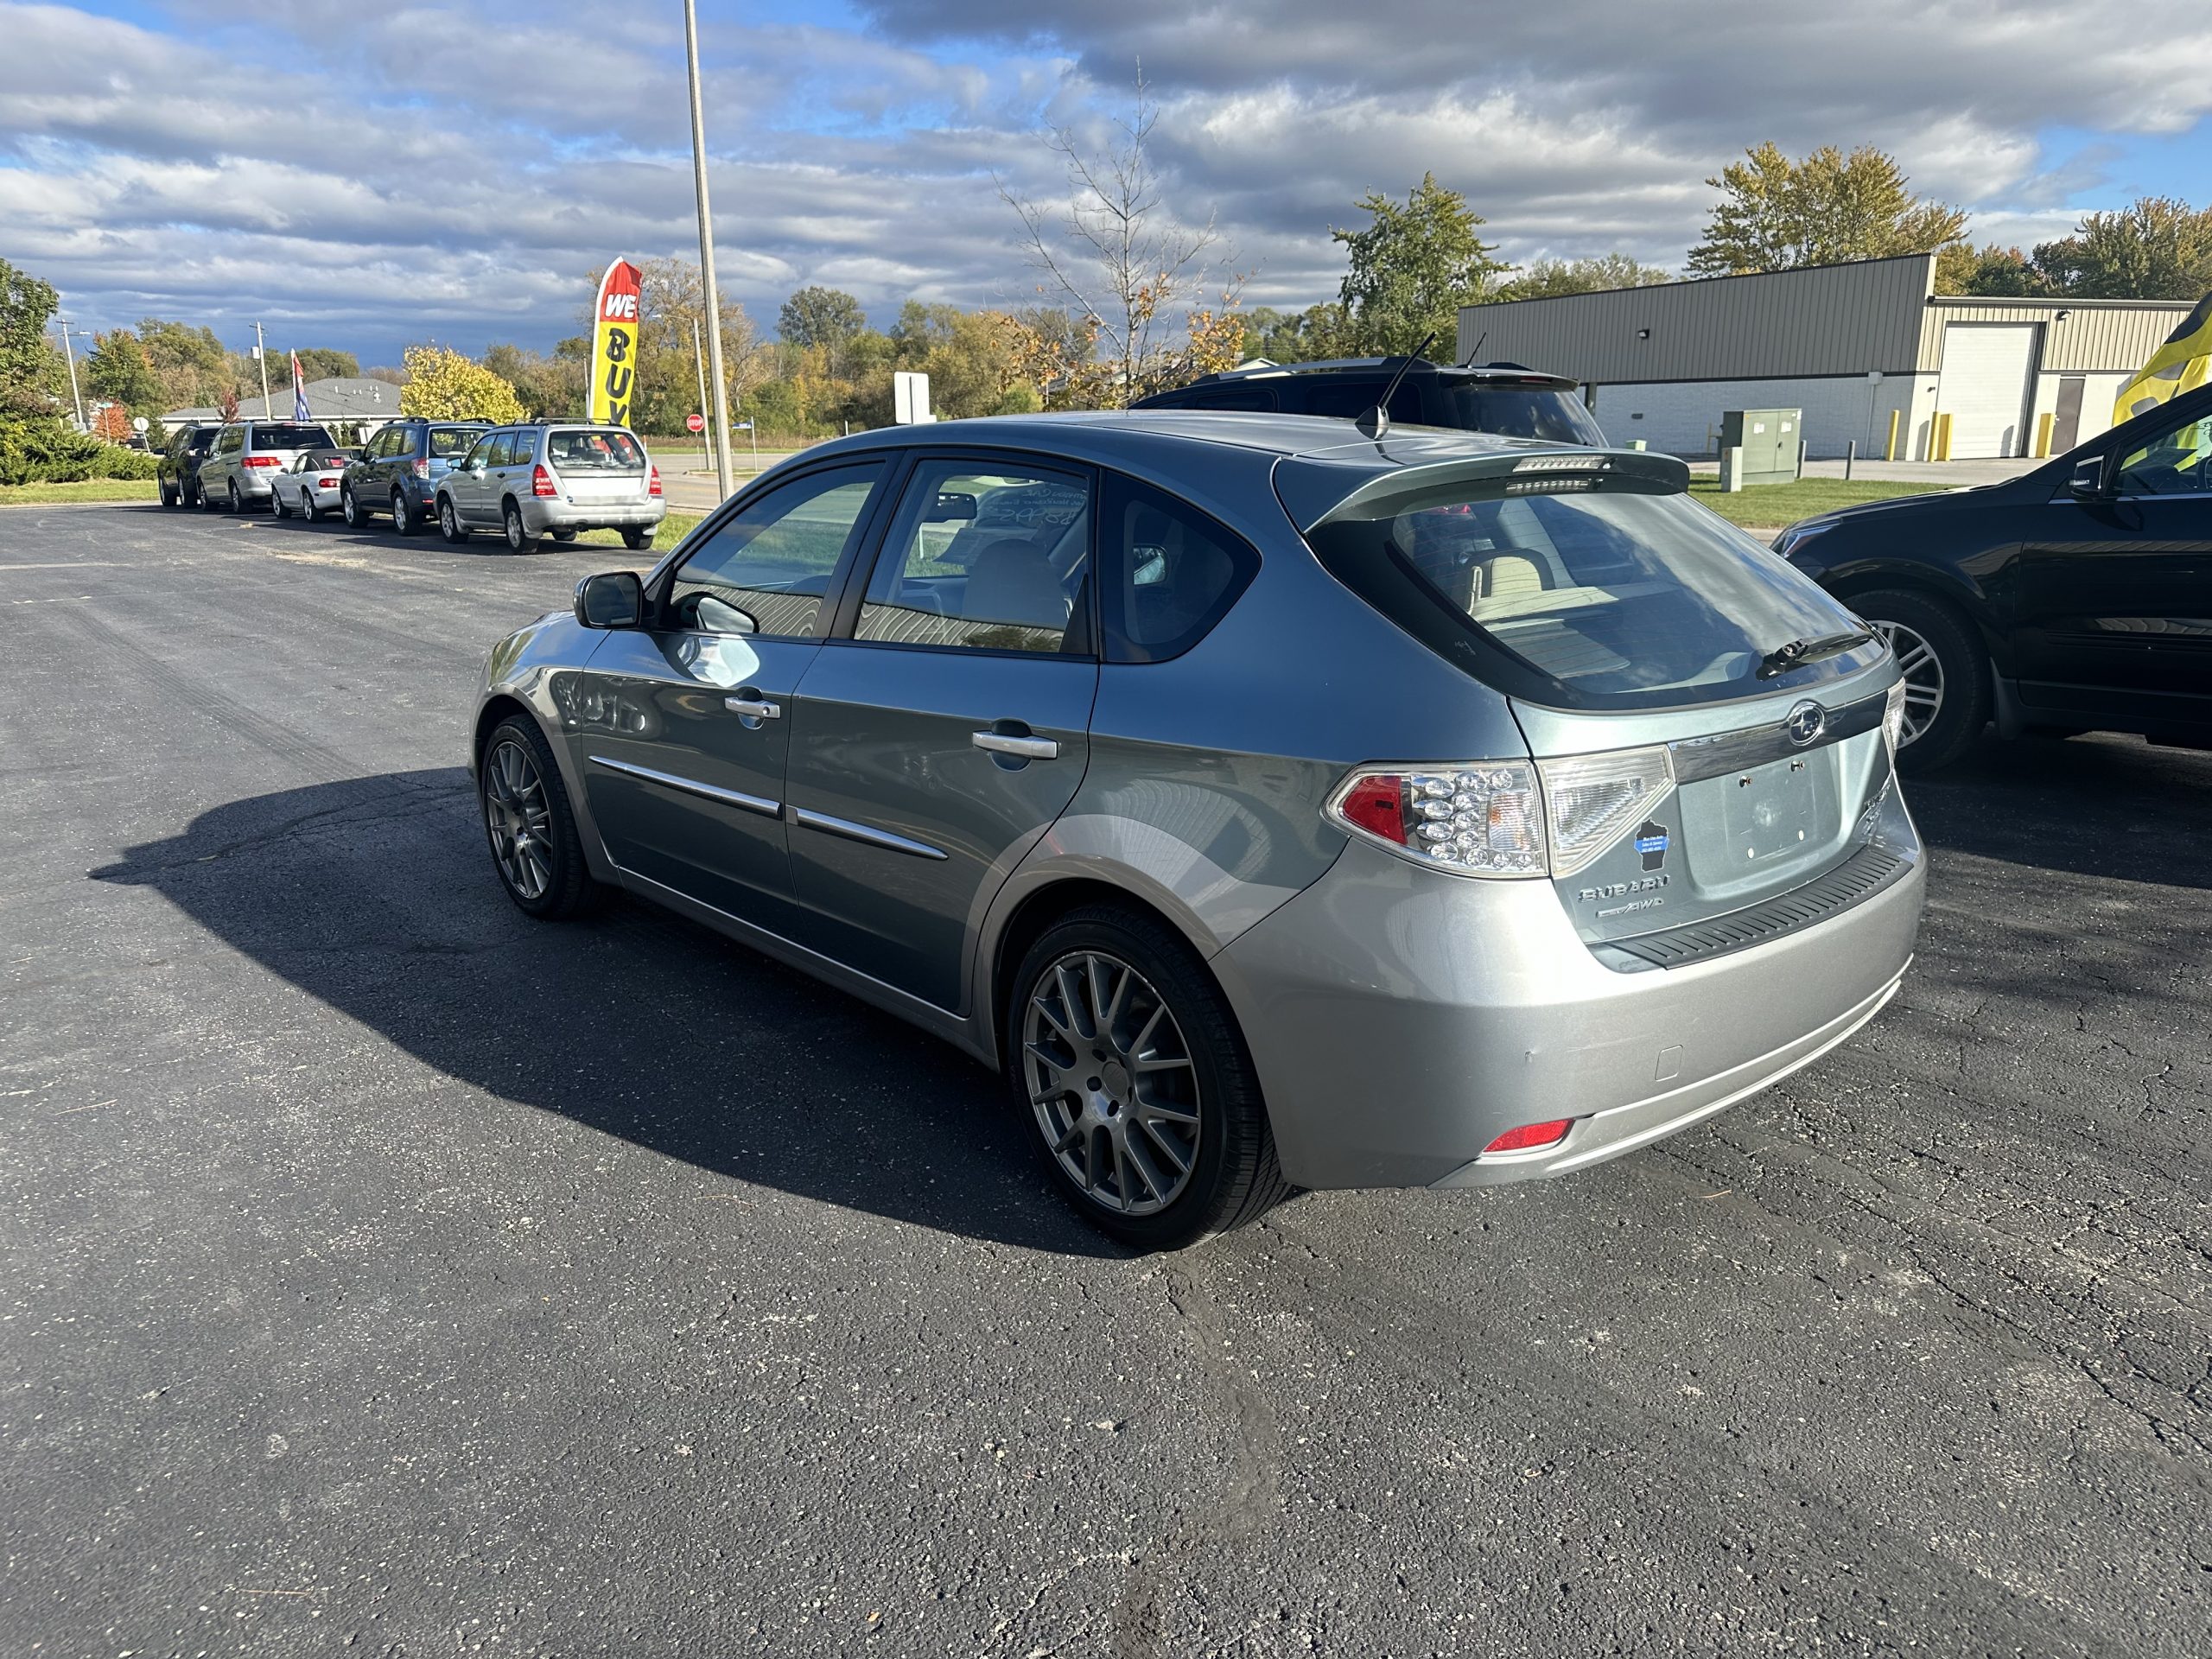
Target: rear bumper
<point>1401,1019</point>
<point>541,514</point>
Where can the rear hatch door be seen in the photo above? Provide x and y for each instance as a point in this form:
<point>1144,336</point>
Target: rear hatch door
<point>598,466</point>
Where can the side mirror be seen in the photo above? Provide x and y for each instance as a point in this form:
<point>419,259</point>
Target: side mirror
<point>614,600</point>
<point>2087,481</point>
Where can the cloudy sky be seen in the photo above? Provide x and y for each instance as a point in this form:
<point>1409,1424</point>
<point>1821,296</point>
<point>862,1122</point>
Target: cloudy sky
<point>439,172</point>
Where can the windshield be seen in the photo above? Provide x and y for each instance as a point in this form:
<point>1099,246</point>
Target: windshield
<point>450,440</point>
<point>1553,413</point>
<point>604,450</point>
<point>267,436</point>
<point>1617,602</point>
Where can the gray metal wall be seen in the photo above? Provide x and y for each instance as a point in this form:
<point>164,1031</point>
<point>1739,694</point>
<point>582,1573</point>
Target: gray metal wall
<point>1827,320</point>
<point>2097,335</point>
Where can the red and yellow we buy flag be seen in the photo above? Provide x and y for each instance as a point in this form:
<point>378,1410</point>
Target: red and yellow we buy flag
<point>614,345</point>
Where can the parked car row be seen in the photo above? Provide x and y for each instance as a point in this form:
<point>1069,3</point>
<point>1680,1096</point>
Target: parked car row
<point>521,482</point>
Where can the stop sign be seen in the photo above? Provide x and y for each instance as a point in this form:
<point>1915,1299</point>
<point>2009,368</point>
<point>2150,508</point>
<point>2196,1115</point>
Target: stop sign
<point>697,423</point>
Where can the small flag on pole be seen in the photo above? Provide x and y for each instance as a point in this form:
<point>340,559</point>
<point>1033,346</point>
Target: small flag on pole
<point>299,391</point>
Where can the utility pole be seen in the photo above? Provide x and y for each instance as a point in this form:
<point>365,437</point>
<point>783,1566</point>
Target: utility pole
<point>702,363</point>
<point>721,413</point>
<point>75,397</point>
<point>261,352</point>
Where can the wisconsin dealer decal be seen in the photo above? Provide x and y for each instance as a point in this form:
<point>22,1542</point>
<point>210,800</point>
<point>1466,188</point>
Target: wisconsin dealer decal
<point>614,345</point>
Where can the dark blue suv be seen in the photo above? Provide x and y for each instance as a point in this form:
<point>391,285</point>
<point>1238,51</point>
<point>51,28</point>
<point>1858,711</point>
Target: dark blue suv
<point>398,470</point>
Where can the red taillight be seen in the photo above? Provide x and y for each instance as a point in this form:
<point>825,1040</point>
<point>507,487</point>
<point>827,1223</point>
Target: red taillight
<point>541,482</point>
<point>1529,1137</point>
<point>653,488</point>
<point>421,469</point>
<point>261,461</point>
<point>1378,804</point>
<point>326,483</point>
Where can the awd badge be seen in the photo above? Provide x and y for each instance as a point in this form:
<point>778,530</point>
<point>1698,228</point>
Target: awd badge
<point>1651,841</point>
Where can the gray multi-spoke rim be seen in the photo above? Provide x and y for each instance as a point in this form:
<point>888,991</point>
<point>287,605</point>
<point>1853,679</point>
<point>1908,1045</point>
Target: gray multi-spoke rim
<point>519,818</point>
<point>1924,678</point>
<point>1111,1082</point>
<point>514,528</point>
<point>448,521</point>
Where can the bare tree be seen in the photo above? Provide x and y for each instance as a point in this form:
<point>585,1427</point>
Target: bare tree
<point>1125,263</point>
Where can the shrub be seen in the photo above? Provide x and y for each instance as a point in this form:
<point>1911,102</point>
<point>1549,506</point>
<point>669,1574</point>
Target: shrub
<point>40,449</point>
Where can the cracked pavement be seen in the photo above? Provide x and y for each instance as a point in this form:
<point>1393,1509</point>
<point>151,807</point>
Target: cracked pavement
<point>382,1273</point>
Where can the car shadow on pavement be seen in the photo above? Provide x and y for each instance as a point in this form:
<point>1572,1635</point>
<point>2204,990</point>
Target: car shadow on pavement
<point>377,896</point>
<point>2114,808</point>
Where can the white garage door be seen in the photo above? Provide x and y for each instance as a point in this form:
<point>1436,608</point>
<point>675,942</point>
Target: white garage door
<point>1984,388</point>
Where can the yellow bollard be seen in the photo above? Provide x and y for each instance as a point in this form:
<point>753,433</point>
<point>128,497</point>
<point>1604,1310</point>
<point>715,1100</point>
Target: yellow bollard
<point>1939,438</point>
<point>2044,423</point>
<point>1890,453</point>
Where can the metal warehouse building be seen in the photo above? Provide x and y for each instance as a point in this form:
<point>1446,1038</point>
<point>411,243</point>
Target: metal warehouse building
<point>1847,344</point>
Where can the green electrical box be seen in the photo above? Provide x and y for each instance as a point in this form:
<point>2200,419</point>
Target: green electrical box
<point>1769,440</point>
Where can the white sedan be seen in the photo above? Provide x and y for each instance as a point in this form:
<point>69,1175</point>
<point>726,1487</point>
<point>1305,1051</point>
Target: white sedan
<point>309,485</point>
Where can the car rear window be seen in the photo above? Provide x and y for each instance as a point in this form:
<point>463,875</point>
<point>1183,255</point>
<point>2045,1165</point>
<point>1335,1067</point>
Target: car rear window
<point>268,436</point>
<point>604,450</point>
<point>1611,600</point>
<point>450,440</point>
<point>1552,413</point>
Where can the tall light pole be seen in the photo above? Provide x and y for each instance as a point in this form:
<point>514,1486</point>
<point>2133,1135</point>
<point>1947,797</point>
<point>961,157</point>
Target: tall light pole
<point>75,397</point>
<point>721,414</point>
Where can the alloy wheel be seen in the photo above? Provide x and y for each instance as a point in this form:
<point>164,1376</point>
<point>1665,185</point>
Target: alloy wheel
<point>448,521</point>
<point>518,818</point>
<point>1111,1081</point>
<point>517,538</point>
<point>1923,678</point>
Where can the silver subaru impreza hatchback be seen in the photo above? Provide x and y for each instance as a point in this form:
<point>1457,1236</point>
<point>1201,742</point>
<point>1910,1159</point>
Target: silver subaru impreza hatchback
<point>1273,803</point>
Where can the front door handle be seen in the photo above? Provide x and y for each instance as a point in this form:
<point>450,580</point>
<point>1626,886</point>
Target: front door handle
<point>754,708</point>
<point>1029,748</point>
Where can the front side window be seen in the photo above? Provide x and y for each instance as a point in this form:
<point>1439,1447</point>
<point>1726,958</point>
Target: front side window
<point>1171,572</point>
<point>986,554</point>
<point>2177,462</point>
<point>1617,600</point>
<point>767,568</point>
<point>480,455</point>
<point>232,441</point>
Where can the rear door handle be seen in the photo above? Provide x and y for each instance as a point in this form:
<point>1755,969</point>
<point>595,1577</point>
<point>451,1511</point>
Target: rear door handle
<point>1029,748</point>
<point>754,708</point>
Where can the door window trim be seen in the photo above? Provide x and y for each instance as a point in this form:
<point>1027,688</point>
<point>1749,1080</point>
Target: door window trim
<point>867,528</point>
<point>844,629</point>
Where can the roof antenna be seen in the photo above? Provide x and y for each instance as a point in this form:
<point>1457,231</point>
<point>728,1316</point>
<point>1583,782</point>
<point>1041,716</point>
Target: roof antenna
<point>1376,421</point>
<point>1470,362</point>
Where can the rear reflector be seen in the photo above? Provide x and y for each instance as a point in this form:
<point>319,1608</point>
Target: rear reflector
<point>1530,1136</point>
<point>1377,803</point>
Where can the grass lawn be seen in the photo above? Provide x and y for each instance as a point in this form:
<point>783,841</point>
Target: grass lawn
<point>1769,506</point>
<point>93,489</point>
<point>673,529</point>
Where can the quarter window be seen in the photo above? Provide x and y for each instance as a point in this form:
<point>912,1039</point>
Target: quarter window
<point>766,568</point>
<point>2178,461</point>
<point>987,555</point>
<point>1171,572</point>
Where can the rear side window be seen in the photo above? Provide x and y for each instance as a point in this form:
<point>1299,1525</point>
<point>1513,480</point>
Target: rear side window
<point>449,441</point>
<point>1617,600</point>
<point>1552,413</point>
<point>503,449</point>
<point>1247,399</point>
<point>1349,400</point>
<point>1171,572</point>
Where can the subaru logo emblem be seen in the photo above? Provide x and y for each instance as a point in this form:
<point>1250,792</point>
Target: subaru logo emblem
<point>1805,722</point>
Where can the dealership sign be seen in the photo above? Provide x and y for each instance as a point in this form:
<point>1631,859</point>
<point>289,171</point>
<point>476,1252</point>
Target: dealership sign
<point>614,345</point>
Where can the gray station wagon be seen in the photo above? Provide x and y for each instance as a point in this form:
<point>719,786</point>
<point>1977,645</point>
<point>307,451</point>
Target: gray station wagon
<point>530,481</point>
<point>1273,806</point>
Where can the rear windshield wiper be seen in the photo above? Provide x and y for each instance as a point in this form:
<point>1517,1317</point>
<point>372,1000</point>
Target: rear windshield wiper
<point>1798,652</point>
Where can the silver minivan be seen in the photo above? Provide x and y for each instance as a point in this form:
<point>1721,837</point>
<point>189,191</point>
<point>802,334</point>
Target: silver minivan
<point>241,466</point>
<point>1271,805</point>
<point>526,482</point>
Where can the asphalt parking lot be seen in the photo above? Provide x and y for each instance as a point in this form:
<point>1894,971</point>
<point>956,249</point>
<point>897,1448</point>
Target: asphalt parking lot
<point>381,1273</point>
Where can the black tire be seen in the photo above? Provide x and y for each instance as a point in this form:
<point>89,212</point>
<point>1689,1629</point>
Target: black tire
<point>568,890</point>
<point>1962,709</point>
<point>237,502</point>
<point>209,503</point>
<point>449,525</point>
<point>564,535</point>
<point>519,540</point>
<point>309,511</point>
<point>188,492</point>
<point>169,495</point>
<point>350,510</point>
<point>1233,1177</point>
<point>637,540</point>
<point>404,518</point>
<point>276,502</point>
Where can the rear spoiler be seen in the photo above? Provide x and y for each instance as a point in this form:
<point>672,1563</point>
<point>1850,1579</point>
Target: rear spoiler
<point>1314,491</point>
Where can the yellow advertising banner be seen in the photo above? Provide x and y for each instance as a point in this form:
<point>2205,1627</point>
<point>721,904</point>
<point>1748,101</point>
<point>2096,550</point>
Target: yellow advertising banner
<point>614,345</point>
<point>2178,365</point>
